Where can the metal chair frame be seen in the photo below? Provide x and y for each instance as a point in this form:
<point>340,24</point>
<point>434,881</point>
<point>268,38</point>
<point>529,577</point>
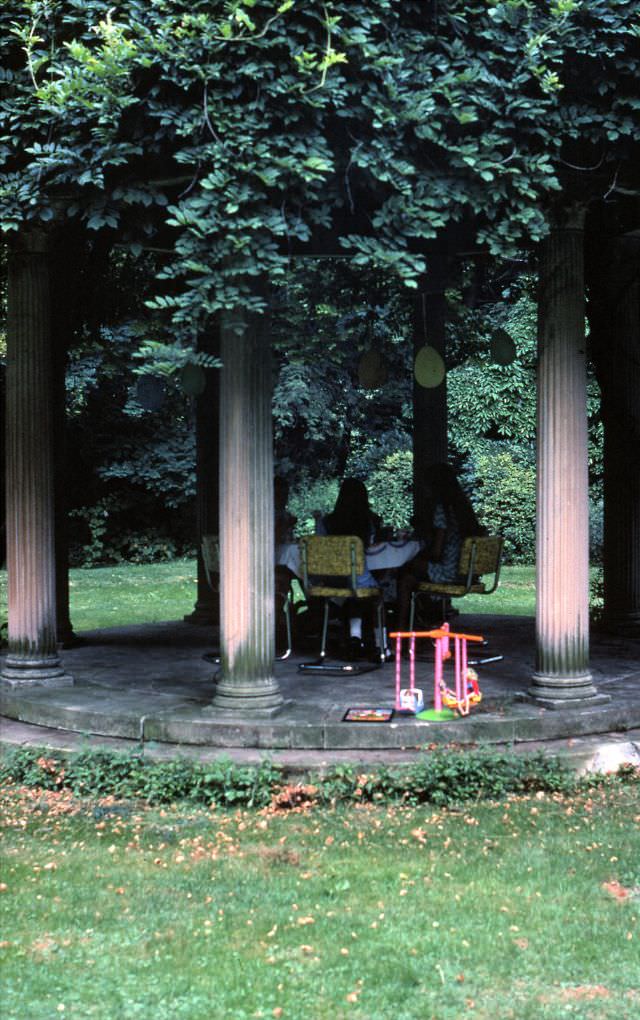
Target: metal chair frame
<point>479,555</point>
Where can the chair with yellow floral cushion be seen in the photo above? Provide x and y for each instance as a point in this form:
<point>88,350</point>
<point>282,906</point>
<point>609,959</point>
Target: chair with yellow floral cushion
<point>331,565</point>
<point>480,556</point>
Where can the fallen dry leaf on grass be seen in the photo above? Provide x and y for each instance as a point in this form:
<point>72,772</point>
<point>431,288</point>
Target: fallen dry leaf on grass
<point>585,992</point>
<point>618,891</point>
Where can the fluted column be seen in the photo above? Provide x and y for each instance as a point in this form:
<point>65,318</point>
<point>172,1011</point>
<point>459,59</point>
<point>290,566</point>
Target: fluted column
<point>32,657</point>
<point>247,682</point>
<point>562,542</point>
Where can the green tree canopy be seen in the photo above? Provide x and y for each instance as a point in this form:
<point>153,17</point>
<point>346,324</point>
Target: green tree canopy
<point>231,134</point>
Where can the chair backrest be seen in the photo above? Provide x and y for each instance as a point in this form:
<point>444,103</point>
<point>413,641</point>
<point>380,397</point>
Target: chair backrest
<point>210,548</point>
<point>332,556</point>
<point>481,554</point>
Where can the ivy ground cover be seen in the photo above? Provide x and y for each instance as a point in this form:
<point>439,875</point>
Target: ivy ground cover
<point>524,908</point>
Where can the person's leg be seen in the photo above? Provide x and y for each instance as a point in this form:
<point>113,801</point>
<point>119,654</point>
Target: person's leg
<point>283,579</point>
<point>352,630</point>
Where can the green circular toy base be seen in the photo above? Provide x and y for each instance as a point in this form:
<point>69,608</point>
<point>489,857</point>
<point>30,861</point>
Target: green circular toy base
<point>431,715</point>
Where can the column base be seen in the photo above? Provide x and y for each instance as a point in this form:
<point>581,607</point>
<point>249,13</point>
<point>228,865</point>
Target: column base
<point>242,699</point>
<point>21,672</point>
<point>565,692</point>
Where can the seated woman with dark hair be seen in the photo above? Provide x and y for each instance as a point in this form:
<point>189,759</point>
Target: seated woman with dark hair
<point>444,517</point>
<point>352,515</point>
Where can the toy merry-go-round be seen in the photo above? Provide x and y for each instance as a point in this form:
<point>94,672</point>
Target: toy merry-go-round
<point>449,702</point>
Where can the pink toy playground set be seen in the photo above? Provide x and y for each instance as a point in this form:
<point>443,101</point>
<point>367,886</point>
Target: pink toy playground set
<point>447,703</point>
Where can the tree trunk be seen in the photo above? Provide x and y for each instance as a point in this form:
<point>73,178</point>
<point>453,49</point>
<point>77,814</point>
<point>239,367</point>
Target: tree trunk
<point>430,427</point>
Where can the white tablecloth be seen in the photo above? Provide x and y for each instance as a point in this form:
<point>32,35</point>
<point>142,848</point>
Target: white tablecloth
<point>383,556</point>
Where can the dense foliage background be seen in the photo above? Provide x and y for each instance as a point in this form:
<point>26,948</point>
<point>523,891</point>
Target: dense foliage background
<point>178,149</point>
<point>131,484</point>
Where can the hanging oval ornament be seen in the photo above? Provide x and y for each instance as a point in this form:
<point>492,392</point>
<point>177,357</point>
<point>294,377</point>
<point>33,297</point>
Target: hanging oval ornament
<point>372,372</point>
<point>150,392</point>
<point>429,368</point>
<point>502,347</point>
<point>192,380</point>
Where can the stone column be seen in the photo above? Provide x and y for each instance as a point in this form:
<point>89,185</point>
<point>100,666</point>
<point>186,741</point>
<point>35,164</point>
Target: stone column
<point>206,609</point>
<point>562,674</point>
<point>247,683</point>
<point>32,657</point>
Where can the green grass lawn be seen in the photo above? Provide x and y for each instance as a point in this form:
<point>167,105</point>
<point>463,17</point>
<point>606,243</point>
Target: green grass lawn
<point>132,593</point>
<point>153,592</point>
<point>514,596</point>
<point>525,909</point>
<point>127,594</point>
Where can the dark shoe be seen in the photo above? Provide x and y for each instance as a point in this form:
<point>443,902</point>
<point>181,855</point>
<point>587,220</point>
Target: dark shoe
<point>353,649</point>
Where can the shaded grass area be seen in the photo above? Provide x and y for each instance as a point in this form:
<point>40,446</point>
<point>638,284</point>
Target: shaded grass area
<point>523,909</point>
<point>154,592</point>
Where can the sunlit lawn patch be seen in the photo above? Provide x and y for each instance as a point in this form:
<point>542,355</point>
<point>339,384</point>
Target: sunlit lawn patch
<point>153,592</point>
<point>514,596</point>
<point>127,594</point>
<point>500,910</point>
<point>132,593</point>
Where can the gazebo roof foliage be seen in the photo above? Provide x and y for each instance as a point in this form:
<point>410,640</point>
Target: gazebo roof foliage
<point>234,133</point>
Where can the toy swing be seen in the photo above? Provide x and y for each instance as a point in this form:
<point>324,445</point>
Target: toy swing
<point>447,703</point>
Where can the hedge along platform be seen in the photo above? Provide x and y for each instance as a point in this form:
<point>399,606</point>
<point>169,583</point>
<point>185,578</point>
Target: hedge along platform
<point>150,683</point>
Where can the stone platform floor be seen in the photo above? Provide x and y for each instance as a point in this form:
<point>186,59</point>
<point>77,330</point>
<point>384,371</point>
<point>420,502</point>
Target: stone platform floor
<point>149,684</point>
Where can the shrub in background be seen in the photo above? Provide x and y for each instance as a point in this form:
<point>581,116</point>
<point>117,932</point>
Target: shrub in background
<point>504,495</point>
<point>309,496</point>
<point>596,596</point>
<point>114,530</point>
<point>391,489</point>
<point>596,528</point>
